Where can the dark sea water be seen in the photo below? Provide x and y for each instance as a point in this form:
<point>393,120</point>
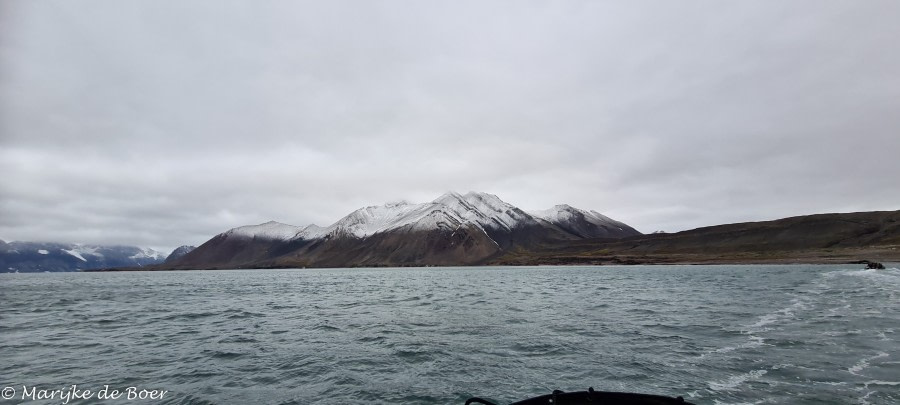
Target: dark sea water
<point>713,334</point>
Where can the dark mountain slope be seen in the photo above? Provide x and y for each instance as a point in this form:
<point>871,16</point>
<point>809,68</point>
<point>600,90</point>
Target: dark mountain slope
<point>810,238</point>
<point>178,253</point>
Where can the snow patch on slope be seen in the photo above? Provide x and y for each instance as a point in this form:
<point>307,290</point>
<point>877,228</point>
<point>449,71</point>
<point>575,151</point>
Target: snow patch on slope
<point>485,210</point>
<point>269,230</point>
<point>450,210</point>
<point>312,232</point>
<point>79,251</point>
<point>75,253</point>
<point>146,253</point>
<point>563,213</point>
<point>371,220</point>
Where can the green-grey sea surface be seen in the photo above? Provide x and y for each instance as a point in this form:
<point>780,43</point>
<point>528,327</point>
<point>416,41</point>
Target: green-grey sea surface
<point>713,334</point>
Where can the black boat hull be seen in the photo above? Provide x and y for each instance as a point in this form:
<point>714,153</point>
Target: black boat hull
<point>592,397</point>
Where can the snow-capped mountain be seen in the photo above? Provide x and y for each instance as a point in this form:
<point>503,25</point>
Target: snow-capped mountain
<point>585,224</point>
<point>449,211</point>
<point>452,229</point>
<point>54,257</point>
<point>178,253</point>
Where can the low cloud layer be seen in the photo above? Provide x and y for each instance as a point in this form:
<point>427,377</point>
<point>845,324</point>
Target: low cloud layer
<point>161,123</point>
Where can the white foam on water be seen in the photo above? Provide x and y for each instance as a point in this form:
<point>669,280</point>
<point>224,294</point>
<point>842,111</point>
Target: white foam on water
<point>717,402</point>
<point>761,325</point>
<point>836,309</point>
<point>864,399</point>
<point>754,341</point>
<point>864,363</point>
<point>842,333</point>
<point>831,383</point>
<point>891,275</point>
<point>765,320</point>
<point>733,382</point>
<point>879,382</point>
<point>783,365</point>
<point>797,304</point>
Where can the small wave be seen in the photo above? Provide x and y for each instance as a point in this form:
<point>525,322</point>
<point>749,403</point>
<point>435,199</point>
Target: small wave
<point>886,275</point>
<point>754,341</point>
<point>187,316</point>
<point>424,324</point>
<point>734,381</point>
<point>535,348</point>
<point>281,306</point>
<point>841,333</point>
<point>238,339</point>
<point>371,339</point>
<point>187,399</point>
<point>864,400</point>
<point>240,314</point>
<point>764,320</point>
<point>831,383</point>
<point>779,315</point>
<point>63,302</point>
<point>717,402</point>
<point>196,374</point>
<point>222,355</point>
<point>864,363</point>
<point>879,382</point>
<point>411,356</point>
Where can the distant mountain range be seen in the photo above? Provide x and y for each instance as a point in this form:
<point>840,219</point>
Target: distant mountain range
<point>31,257</point>
<point>53,257</point>
<point>454,229</point>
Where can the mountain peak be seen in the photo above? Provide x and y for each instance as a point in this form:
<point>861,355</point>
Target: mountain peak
<point>486,197</point>
<point>449,196</point>
<point>397,203</point>
<point>585,224</point>
<point>371,220</point>
<point>179,252</point>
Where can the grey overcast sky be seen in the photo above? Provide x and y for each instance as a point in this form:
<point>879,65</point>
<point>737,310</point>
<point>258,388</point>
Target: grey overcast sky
<point>163,122</point>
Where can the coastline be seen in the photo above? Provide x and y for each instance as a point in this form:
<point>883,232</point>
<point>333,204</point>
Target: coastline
<point>847,256</point>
